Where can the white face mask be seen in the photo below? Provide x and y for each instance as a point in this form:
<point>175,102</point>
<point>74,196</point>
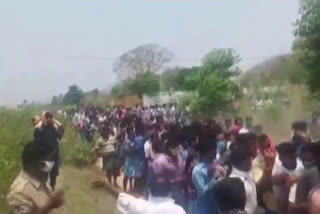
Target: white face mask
<point>48,166</point>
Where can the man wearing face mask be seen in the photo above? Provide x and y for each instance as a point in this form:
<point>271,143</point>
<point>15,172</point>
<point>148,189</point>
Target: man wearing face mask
<point>29,193</point>
<point>309,180</point>
<point>48,133</point>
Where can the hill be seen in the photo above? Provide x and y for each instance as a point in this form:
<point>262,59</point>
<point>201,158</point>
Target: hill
<point>280,69</point>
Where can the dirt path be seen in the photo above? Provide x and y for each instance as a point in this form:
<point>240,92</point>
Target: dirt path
<point>81,198</point>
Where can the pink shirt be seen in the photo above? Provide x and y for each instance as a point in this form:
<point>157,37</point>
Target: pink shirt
<point>164,167</point>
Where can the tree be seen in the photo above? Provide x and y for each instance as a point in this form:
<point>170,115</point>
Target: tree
<point>215,90</point>
<point>55,100</point>
<point>73,96</point>
<point>144,83</point>
<point>90,97</point>
<point>178,79</point>
<point>307,45</point>
<point>148,58</point>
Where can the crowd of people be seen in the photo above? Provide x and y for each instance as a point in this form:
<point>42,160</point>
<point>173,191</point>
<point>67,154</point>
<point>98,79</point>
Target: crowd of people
<point>171,164</point>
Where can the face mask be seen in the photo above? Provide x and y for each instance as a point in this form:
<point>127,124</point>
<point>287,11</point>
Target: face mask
<point>308,164</point>
<point>48,166</point>
<point>221,146</point>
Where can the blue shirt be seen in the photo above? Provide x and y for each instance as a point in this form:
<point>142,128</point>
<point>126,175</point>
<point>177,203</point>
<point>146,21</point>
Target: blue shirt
<point>204,184</point>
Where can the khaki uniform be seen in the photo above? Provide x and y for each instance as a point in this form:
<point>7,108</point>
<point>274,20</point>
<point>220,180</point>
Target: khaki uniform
<point>28,195</point>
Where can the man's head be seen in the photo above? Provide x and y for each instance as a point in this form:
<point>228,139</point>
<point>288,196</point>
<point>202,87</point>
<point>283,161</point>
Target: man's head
<point>105,132</point>
<point>299,126</point>
<point>249,140</point>
<point>257,129</point>
<point>37,159</point>
<point>159,187</point>
<point>307,156</point>
<point>287,155</point>
<point>230,194</point>
<point>47,118</point>
<point>207,148</point>
<point>262,142</point>
<point>241,156</point>
<point>238,122</point>
<point>171,149</point>
<point>249,122</point>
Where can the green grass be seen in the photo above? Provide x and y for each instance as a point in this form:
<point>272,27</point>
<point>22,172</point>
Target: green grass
<point>15,131</point>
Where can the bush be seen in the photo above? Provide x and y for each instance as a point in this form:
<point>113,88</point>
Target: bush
<point>15,132</point>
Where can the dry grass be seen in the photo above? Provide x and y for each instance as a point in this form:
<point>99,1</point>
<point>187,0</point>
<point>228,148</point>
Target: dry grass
<point>81,198</point>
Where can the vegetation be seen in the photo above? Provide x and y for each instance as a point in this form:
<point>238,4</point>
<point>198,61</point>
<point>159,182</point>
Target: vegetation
<point>148,58</point>
<point>279,70</point>
<point>73,151</point>
<point>178,79</point>
<point>16,130</point>
<point>73,96</point>
<point>307,46</point>
<point>141,83</point>
<point>215,91</point>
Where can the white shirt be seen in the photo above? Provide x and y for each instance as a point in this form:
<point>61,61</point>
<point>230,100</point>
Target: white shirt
<point>250,188</point>
<point>148,149</point>
<point>243,131</point>
<point>279,169</point>
<point>127,204</point>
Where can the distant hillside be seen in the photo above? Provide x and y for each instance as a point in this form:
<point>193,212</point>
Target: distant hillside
<point>279,69</point>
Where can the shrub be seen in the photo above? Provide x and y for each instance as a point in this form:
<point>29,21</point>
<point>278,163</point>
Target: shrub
<point>15,132</point>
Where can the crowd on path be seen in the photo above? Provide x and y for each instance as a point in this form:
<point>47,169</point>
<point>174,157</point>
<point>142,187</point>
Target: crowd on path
<point>174,165</point>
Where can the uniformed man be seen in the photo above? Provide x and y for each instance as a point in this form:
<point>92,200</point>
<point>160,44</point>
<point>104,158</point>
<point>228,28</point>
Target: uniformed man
<point>29,193</point>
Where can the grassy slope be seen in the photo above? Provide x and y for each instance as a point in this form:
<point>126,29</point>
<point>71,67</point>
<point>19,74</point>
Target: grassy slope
<point>279,68</point>
<point>16,130</point>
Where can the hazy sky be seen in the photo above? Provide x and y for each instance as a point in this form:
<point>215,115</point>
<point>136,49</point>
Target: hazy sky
<point>47,45</point>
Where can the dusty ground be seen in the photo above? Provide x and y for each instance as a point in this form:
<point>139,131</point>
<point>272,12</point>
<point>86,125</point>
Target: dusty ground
<point>81,198</point>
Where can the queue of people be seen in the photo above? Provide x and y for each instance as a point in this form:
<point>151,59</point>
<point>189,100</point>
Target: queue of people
<point>172,165</point>
<point>157,145</point>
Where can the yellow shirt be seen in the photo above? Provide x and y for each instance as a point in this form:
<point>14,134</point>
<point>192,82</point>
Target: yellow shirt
<point>27,195</point>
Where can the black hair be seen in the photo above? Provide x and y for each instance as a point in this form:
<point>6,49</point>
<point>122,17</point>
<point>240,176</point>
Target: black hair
<point>48,115</point>
<point>258,127</point>
<point>160,188</point>
<point>262,138</point>
<point>33,153</point>
<point>299,125</point>
<point>246,139</point>
<point>239,153</point>
<point>286,148</point>
<point>238,119</point>
<point>206,144</point>
<point>231,194</point>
